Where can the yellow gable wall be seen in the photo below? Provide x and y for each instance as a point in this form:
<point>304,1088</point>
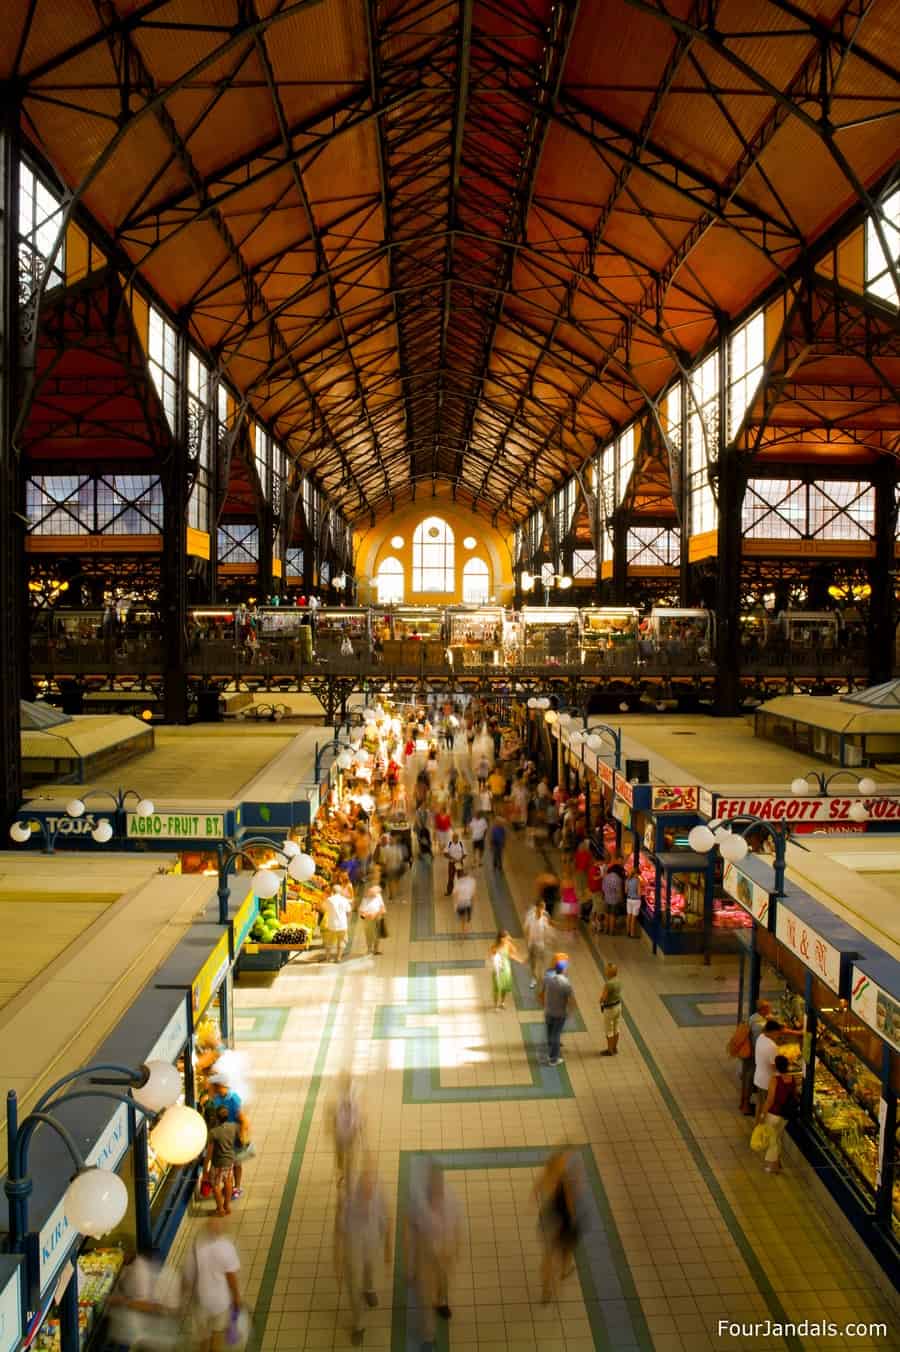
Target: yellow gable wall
<point>492,546</point>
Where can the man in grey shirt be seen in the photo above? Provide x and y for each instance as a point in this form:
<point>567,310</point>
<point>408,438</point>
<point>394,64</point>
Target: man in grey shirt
<point>555,996</point>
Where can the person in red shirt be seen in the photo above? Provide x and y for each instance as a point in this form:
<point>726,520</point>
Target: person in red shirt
<point>581,864</point>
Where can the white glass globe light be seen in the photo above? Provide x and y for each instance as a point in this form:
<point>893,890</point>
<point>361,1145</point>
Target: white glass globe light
<point>532,703</point>
<point>290,849</point>
<point>96,1200</point>
<point>302,867</point>
<point>145,808</point>
<point>180,1135</point>
<point>20,832</point>
<point>732,847</point>
<point>576,738</point>
<point>469,542</point>
<point>623,707</point>
<point>595,742</point>
<point>800,787</point>
<point>344,760</point>
<point>103,831</point>
<point>266,883</point>
<point>701,839</point>
<point>543,702</point>
<point>867,785</point>
<point>858,812</point>
<point>163,1087</point>
<point>397,541</point>
<point>75,807</point>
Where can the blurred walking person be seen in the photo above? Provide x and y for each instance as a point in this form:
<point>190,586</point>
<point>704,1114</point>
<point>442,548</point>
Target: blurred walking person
<point>538,927</point>
<point>433,1239</point>
<point>347,1123</point>
<point>210,1285</point>
<point>362,1232</point>
<point>558,1196</point>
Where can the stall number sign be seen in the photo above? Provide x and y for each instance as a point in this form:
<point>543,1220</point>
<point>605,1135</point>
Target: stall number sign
<point>814,952</point>
<point>606,774</point>
<point>11,1313</point>
<point>706,802</point>
<point>57,1234</point>
<point>751,895</point>
<point>625,789</point>
<point>176,826</point>
<point>876,1008</point>
<point>824,810</point>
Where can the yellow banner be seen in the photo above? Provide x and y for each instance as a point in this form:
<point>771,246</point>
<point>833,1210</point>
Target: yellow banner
<point>210,977</point>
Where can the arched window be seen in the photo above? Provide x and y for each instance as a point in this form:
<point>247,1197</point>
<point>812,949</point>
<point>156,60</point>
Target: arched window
<point>476,582</point>
<point>433,556</point>
<point>390,582</point>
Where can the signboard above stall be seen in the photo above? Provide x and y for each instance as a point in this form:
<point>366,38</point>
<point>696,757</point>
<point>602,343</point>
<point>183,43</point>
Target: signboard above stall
<point>211,975</point>
<point>799,811</point>
<point>11,1305</point>
<point>176,826</point>
<point>675,798</point>
<point>813,950</point>
<point>877,1006</point>
<point>751,895</point>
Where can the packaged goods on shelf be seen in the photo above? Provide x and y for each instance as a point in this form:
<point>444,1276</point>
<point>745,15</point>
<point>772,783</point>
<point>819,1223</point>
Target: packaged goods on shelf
<point>97,1272</point>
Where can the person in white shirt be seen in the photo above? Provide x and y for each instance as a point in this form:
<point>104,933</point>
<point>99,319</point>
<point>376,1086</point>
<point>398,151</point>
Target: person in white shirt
<point>455,852</point>
<point>538,929</point>
<point>371,910</point>
<point>478,830</point>
<point>337,910</point>
<point>463,898</point>
<point>764,1068</point>
<point>210,1280</point>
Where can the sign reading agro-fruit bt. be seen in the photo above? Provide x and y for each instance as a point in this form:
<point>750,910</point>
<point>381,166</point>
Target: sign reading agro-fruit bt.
<point>790,809</point>
<point>176,826</point>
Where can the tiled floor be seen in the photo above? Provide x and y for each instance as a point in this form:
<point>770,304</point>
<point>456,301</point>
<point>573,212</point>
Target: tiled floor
<point>685,1228</point>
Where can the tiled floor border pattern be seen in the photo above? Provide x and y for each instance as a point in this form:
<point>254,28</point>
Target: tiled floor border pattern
<point>613,1308</point>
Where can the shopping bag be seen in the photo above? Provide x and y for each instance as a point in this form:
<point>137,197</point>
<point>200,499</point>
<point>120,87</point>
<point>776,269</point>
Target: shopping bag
<point>238,1331</point>
<point>761,1138</point>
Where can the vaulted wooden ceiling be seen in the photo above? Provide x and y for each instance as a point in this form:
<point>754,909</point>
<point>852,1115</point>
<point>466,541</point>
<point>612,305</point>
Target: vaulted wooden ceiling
<point>457,240</point>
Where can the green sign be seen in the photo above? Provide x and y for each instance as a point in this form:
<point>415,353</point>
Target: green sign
<point>176,826</point>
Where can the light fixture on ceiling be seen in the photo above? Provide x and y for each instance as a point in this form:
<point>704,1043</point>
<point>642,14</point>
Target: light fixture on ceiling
<point>470,542</point>
<point>397,541</point>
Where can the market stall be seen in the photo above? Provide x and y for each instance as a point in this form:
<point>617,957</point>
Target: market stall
<point>475,636</point>
<point>338,625</point>
<point>609,635</point>
<point>699,914</point>
<point>417,637</point>
<point>679,635</point>
<point>551,635</point>
<point>847,1121</point>
<point>69,1278</point>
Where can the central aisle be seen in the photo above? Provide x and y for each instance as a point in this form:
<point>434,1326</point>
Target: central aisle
<point>684,1228</point>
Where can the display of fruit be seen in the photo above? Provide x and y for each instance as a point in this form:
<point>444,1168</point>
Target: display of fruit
<point>292,934</point>
<point>300,913</point>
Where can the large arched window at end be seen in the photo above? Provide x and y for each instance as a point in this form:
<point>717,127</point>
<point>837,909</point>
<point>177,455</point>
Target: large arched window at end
<point>433,561</point>
<point>476,582</point>
<point>390,582</point>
